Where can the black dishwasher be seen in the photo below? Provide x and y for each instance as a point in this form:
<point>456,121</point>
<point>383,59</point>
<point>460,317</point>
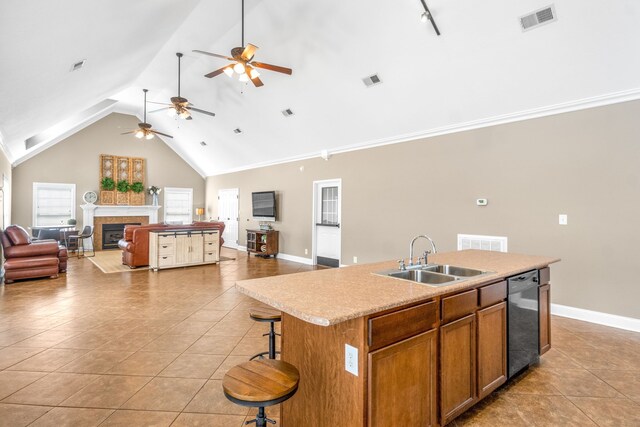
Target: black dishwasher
<point>523,322</point>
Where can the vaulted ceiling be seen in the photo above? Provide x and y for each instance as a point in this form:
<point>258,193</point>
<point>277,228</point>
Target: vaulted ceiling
<point>482,70</point>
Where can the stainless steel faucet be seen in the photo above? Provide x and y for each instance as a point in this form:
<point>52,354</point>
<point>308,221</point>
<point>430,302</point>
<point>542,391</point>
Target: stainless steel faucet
<point>433,248</point>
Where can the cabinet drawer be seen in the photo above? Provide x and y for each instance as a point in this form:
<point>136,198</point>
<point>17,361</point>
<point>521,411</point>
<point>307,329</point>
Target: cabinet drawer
<point>211,256</point>
<point>165,260</point>
<point>457,306</point>
<point>393,327</point>
<point>166,239</point>
<point>166,248</point>
<point>209,246</point>
<point>491,294</point>
<point>210,237</point>
<point>545,275</point>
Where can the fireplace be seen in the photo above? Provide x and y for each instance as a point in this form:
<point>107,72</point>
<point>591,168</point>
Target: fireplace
<point>112,233</point>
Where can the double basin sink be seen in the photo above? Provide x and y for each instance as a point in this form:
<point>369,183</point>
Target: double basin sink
<point>434,274</point>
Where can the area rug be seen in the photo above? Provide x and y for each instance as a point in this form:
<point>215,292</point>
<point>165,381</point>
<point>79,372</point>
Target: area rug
<point>111,262</point>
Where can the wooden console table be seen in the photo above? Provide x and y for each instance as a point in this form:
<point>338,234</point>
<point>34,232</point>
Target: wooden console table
<point>182,248</point>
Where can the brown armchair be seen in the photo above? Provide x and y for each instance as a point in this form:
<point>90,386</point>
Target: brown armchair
<point>135,243</point>
<point>25,259</point>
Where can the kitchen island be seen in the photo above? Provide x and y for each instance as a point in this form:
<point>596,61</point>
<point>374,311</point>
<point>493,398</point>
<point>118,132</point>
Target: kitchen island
<point>422,354</point>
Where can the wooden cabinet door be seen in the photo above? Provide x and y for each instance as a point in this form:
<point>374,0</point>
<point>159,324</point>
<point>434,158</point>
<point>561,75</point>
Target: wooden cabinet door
<point>197,249</point>
<point>492,348</point>
<point>402,383</point>
<point>544,296</point>
<point>183,246</point>
<point>457,367</point>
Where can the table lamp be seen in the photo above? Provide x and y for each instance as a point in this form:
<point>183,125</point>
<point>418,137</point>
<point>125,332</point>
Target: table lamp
<point>199,212</point>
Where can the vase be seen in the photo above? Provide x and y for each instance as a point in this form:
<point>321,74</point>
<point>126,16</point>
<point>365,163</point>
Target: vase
<point>155,199</point>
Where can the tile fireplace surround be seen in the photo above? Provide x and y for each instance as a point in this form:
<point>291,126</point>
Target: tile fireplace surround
<point>95,215</point>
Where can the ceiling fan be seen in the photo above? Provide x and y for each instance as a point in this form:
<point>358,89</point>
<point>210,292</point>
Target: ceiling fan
<point>180,106</point>
<point>243,63</point>
<point>144,129</point>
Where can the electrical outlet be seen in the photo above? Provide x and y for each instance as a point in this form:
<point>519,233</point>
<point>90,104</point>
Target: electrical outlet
<point>306,251</point>
<point>563,219</point>
<point>355,259</point>
<point>351,359</point>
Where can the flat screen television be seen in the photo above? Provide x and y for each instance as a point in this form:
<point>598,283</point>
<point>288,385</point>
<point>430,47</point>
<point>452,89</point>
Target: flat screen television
<point>264,205</point>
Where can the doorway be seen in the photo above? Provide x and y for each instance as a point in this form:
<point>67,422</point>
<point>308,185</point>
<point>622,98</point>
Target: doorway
<point>228,213</point>
<point>327,234</point>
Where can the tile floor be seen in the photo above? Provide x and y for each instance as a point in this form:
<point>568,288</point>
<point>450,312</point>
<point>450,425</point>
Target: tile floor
<point>150,349</point>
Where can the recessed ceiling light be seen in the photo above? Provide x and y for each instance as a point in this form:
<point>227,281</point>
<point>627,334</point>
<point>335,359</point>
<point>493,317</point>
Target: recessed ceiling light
<point>287,112</point>
<point>78,65</point>
<point>237,130</point>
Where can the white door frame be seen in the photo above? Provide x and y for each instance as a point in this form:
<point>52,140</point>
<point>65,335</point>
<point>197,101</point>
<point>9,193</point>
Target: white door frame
<point>314,219</point>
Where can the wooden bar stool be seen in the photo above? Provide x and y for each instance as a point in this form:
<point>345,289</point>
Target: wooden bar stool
<point>261,383</point>
<point>270,315</point>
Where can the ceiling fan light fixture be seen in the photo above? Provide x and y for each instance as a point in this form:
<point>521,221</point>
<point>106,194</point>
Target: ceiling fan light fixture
<point>424,17</point>
<point>254,73</point>
<point>139,134</point>
<point>243,77</point>
<point>184,114</point>
<point>149,135</point>
<point>228,71</point>
<point>171,112</point>
<point>239,68</point>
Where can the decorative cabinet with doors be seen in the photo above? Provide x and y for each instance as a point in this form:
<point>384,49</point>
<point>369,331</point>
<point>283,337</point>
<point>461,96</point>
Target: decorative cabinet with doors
<point>263,243</point>
<point>181,248</point>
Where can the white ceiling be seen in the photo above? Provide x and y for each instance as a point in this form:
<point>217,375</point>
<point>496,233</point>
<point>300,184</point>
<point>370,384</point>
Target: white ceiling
<point>482,70</point>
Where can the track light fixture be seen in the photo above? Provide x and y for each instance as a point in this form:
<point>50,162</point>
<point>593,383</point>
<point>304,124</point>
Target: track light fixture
<point>426,16</point>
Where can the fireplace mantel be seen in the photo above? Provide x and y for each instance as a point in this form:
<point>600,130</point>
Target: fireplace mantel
<point>90,211</point>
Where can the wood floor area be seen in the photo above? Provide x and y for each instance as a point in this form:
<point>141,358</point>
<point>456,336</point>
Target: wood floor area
<point>143,348</point>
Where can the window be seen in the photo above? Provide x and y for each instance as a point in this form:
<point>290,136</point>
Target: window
<point>53,204</point>
<point>329,205</point>
<point>178,205</point>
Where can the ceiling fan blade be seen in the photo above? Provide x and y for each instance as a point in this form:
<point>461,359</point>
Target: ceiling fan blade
<point>257,82</point>
<point>128,133</point>
<point>277,68</point>
<point>216,72</point>
<point>159,103</point>
<point>160,133</point>
<point>249,51</point>
<point>189,118</point>
<point>213,54</point>
<point>162,109</point>
<point>201,111</point>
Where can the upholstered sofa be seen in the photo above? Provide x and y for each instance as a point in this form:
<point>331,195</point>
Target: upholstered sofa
<point>135,243</point>
<point>25,259</point>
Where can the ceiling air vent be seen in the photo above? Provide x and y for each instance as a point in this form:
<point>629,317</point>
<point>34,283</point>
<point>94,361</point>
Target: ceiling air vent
<point>287,112</point>
<point>372,80</point>
<point>538,18</point>
<point>78,65</point>
<point>237,130</point>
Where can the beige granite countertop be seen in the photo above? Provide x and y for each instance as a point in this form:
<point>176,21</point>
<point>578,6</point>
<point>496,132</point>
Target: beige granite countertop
<point>327,297</point>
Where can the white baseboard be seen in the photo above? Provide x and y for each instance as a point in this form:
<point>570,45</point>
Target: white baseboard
<point>621,322</point>
<point>294,258</point>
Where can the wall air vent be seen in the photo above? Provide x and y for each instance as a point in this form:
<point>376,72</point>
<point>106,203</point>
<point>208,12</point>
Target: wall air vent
<point>485,243</point>
<point>237,130</point>
<point>204,144</point>
<point>287,112</point>
<point>372,80</point>
<point>538,18</point>
<point>78,65</point>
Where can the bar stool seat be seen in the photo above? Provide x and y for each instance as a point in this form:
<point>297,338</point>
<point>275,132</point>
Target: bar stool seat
<point>262,314</point>
<point>261,383</point>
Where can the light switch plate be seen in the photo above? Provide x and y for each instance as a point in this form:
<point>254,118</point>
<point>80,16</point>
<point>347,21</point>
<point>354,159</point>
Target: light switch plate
<point>482,202</point>
<point>563,219</point>
<point>351,359</point>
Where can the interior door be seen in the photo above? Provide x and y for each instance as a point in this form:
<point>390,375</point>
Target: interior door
<point>327,232</point>
<point>228,213</point>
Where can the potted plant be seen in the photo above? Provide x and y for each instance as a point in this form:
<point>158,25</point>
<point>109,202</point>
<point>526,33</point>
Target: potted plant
<point>137,196</point>
<point>107,193</point>
<point>122,196</point>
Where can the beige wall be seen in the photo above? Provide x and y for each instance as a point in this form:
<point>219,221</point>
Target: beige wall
<point>584,164</point>
<point>76,160</point>
<point>5,170</point>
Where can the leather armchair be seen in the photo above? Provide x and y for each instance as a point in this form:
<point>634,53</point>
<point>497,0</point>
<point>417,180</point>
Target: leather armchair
<point>25,259</point>
<point>135,243</point>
